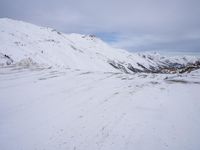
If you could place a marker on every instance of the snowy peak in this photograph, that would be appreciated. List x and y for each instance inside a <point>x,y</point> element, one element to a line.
<point>24,42</point>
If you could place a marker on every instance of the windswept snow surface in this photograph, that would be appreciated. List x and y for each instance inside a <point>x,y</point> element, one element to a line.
<point>58,91</point>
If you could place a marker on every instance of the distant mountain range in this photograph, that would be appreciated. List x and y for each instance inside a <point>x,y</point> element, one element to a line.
<point>26,44</point>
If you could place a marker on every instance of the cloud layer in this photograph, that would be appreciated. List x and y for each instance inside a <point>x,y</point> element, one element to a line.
<point>131,24</point>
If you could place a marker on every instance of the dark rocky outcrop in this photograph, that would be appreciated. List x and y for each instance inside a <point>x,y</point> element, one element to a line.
<point>164,68</point>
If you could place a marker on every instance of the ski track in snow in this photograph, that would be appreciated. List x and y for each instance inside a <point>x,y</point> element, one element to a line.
<point>43,108</point>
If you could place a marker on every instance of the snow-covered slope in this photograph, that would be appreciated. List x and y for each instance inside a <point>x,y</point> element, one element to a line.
<point>26,43</point>
<point>75,110</point>
<point>70,92</point>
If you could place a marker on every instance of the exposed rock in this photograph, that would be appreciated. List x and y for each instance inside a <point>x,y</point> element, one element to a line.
<point>169,68</point>
<point>5,59</point>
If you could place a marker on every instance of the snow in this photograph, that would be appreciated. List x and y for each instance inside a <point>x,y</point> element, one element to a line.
<point>61,99</point>
<point>48,109</point>
<point>20,40</point>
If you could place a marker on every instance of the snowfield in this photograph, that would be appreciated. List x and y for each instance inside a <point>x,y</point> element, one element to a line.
<point>74,92</point>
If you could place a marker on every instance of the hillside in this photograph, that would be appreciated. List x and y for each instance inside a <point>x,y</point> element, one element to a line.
<point>24,43</point>
<point>75,92</point>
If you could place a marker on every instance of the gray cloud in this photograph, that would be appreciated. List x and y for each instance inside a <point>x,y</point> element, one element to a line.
<point>133,24</point>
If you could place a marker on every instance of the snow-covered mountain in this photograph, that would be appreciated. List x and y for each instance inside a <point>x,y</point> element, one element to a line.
<point>75,92</point>
<point>23,43</point>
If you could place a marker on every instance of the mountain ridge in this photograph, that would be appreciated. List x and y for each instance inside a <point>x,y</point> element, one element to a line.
<point>25,42</point>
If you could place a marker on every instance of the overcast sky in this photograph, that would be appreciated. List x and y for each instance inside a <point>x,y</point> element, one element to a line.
<point>172,25</point>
